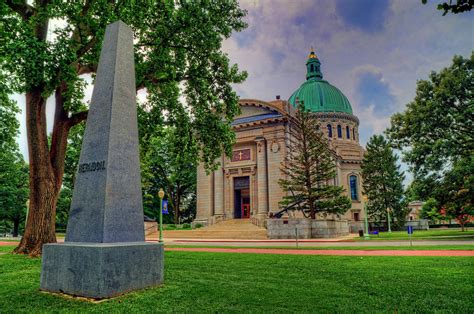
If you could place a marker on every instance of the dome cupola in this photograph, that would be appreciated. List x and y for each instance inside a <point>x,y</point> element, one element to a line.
<point>317,94</point>
<point>313,67</point>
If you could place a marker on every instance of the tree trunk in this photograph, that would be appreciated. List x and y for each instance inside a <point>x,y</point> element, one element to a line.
<point>16,226</point>
<point>176,207</point>
<point>461,222</point>
<point>46,171</point>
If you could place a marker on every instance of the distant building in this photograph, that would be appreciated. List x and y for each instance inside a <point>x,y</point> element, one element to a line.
<point>415,210</point>
<point>246,185</point>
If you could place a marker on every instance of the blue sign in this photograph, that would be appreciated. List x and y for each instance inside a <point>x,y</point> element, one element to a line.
<point>410,230</point>
<point>164,209</point>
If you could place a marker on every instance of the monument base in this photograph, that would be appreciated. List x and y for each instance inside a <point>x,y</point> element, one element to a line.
<point>101,270</point>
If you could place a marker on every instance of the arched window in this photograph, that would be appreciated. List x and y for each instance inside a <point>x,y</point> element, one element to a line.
<point>353,134</point>
<point>348,133</point>
<point>353,186</point>
<point>339,131</point>
<point>329,130</point>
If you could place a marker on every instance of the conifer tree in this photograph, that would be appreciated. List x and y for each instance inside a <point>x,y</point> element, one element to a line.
<point>382,181</point>
<point>309,169</point>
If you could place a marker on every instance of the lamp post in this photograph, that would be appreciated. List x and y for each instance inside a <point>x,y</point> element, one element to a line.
<point>388,219</point>
<point>366,235</point>
<point>27,212</point>
<point>161,194</point>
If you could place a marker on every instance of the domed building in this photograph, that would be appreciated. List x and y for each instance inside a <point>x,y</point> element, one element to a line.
<point>246,184</point>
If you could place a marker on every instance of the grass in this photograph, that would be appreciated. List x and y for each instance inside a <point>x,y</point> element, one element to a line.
<point>423,235</point>
<point>220,282</point>
<point>177,227</point>
<point>464,247</point>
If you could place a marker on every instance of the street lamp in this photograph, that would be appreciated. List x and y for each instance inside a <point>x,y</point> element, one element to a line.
<point>388,219</point>
<point>161,194</point>
<point>366,235</point>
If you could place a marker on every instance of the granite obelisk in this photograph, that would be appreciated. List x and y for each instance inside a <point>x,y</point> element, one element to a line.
<point>105,253</point>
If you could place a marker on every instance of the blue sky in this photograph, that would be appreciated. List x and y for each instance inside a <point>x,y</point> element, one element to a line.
<point>374,51</point>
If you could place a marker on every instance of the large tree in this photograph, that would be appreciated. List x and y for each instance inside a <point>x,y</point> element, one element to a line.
<point>309,169</point>
<point>453,197</point>
<point>383,181</point>
<point>13,170</point>
<point>435,132</point>
<point>170,164</point>
<point>49,47</point>
<point>436,128</point>
<point>13,188</point>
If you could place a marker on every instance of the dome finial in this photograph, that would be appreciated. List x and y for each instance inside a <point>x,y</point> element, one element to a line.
<point>312,55</point>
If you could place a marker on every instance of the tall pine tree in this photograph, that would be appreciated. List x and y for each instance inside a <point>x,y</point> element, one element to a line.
<point>309,169</point>
<point>383,181</point>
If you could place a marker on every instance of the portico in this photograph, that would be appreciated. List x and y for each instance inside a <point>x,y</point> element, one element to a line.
<point>244,185</point>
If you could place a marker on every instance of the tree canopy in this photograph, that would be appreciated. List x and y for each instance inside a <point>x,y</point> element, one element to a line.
<point>13,170</point>
<point>436,138</point>
<point>457,6</point>
<point>436,128</point>
<point>50,48</point>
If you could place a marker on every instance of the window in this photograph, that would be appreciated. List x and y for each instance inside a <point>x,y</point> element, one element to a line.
<point>356,216</point>
<point>339,131</point>
<point>348,133</point>
<point>353,186</point>
<point>329,130</point>
<point>353,134</point>
<point>311,68</point>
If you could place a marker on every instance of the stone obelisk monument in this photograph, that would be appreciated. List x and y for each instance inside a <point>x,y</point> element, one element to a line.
<point>105,253</point>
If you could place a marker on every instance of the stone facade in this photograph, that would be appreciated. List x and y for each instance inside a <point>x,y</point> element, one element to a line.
<point>246,185</point>
<point>261,135</point>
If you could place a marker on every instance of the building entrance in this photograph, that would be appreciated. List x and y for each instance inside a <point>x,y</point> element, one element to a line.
<point>242,197</point>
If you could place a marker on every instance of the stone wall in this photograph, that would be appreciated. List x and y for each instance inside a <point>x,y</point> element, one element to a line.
<point>306,228</point>
<point>150,227</point>
<point>421,224</point>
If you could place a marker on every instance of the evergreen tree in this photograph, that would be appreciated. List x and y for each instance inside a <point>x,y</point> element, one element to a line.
<point>309,169</point>
<point>383,181</point>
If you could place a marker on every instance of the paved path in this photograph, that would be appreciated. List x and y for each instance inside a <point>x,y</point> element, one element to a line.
<point>330,252</point>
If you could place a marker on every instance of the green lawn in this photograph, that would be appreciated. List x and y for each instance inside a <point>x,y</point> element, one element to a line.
<point>434,234</point>
<point>219,282</point>
<point>465,247</point>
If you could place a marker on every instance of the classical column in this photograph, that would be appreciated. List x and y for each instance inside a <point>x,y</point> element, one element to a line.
<point>204,195</point>
<point>228,212</point>
<point>262,186</point>
<point>219,192</point>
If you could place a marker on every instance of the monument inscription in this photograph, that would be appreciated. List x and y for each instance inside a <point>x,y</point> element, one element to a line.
<point>91,166</point>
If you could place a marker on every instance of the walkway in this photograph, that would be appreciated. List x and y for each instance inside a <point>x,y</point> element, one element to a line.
<point>329,252</point>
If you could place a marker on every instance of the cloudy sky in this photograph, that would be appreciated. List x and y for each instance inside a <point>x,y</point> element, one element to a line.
<point>374,51</point>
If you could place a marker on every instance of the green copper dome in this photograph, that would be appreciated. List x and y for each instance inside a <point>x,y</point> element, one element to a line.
<point>318,95</point>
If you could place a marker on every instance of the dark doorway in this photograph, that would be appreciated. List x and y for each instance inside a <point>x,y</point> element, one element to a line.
<point>242,197</point>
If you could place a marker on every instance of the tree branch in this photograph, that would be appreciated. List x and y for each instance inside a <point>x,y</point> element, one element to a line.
<point>24,9</point>
<point>77,118</point>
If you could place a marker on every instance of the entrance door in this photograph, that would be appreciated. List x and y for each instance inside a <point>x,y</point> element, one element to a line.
<point>242,197</point>
<point>245,204</point>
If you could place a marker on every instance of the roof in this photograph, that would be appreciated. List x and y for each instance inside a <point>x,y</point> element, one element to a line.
<point>256,118</point>
<point>317,94</point>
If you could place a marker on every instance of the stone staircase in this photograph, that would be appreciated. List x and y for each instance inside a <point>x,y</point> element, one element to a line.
<point>229,229</point>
